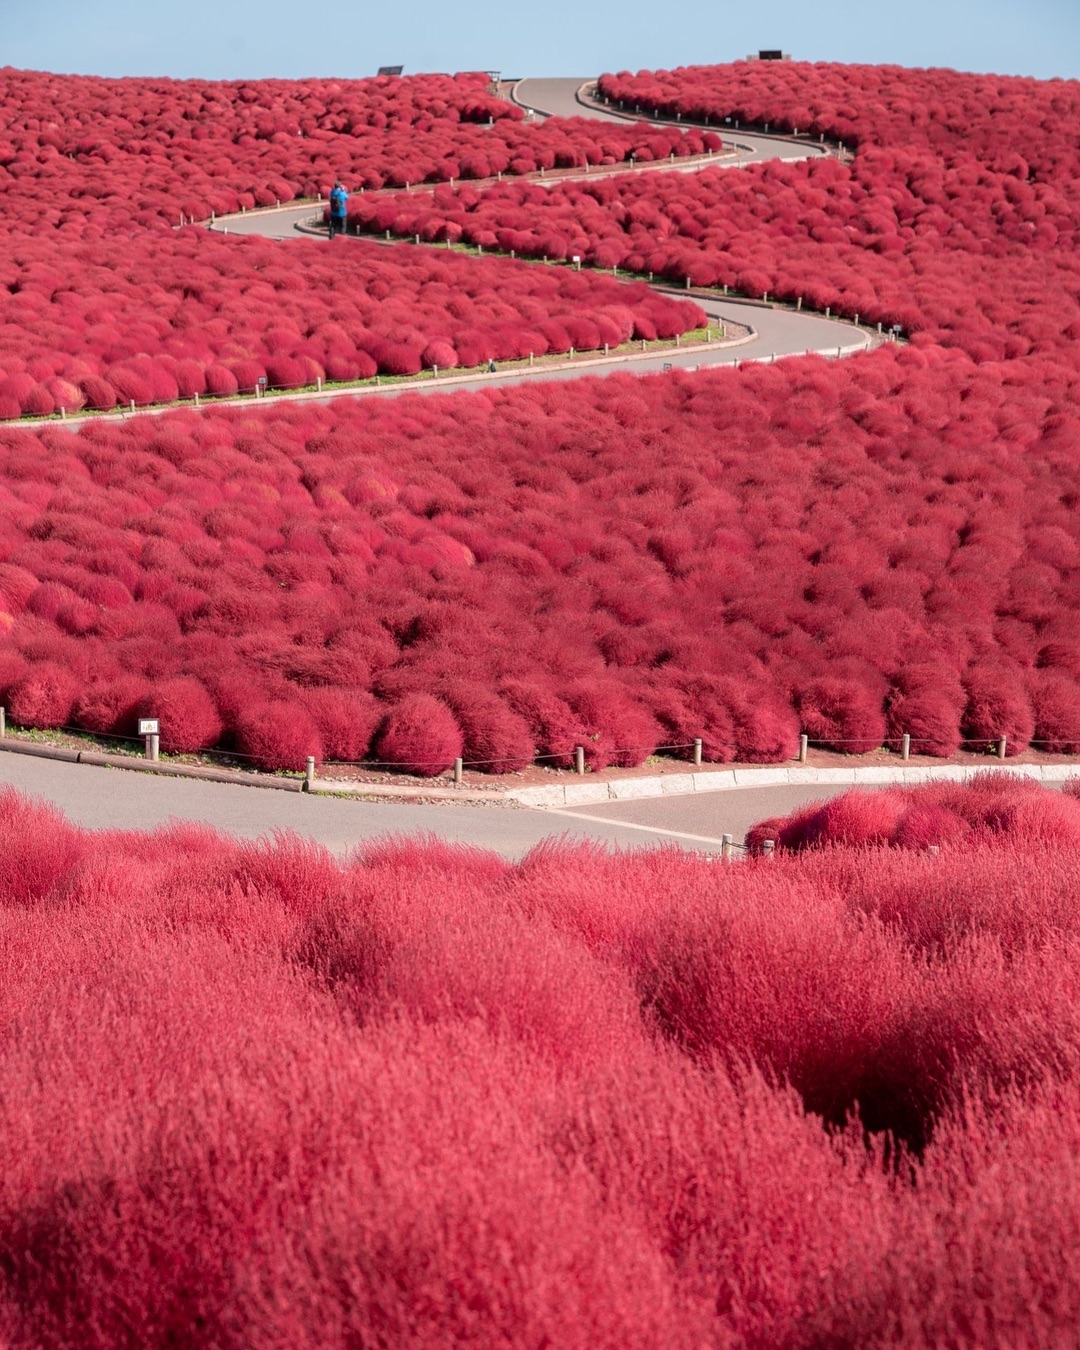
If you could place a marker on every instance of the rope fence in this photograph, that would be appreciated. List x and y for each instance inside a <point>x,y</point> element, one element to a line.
<point>902,745</point>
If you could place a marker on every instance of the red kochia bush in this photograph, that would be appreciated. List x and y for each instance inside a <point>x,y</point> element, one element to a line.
<point>494,738</point>
<point>278,735</point>
<point>346,720</point>
<point>841,714</point>
<point>43,697</point>
<point>186,714</point>
<point>1056,704</point>
<point>998,705</point>
<point>111,706</point>
<point>421,735</point>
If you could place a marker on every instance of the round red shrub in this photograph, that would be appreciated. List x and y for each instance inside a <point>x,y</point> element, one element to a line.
<point>283,372</point>
<point>495,739</point>
<point>43,697</point>
<point>99,393</point>
<point>187,714</point>
<point>38,402</point>
<point>924,824</point>
<point>440,354</point>
<point>346,720</point>
<point>111,706</point>
<point>421,735</point>
<point>13,666</point>
<point>220,382</point>
<point>248,373</point>
<point>278,735</point>
<point>555,729</point>
<point>621,731</point>
<point>65,394</point>
<point>841,714</point>
<point>857,817</point>
<point>927,706</point>
<point>1055,702</point>
<point>997,705</point>
<point>760,833</point>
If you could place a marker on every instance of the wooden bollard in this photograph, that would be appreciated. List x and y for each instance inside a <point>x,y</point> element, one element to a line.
<point>1002,746</point>
<point>727,848</point>
<point>697,752</point>
<point>768,848</point>
<point>3,723</point>
<point>579,759</point>
<point>458,769</point>
<point>905,746</point>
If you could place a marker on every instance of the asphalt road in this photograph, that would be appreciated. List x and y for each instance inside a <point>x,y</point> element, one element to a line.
<point>119,799</point>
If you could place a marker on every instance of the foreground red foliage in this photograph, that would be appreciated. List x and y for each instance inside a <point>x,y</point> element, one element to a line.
<point>860,550</point>
<point>200,314</point>
<point>254,1096</point>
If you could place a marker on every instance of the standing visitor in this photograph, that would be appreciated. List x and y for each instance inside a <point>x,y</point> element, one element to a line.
<point>339,199</point>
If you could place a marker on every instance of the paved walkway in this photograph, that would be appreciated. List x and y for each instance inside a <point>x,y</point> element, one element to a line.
<point>116,799</point>
<point>569,98</point>
<point>776,332</point>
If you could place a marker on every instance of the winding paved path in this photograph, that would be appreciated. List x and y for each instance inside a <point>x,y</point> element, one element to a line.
<point>563,98</point>
<point>111,798</point>
<point>777,332</point>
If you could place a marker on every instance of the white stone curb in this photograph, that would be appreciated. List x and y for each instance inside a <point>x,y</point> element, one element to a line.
<point>727,780</point>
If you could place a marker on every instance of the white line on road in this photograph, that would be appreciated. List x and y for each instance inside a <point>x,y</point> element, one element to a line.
<point>627,825</point>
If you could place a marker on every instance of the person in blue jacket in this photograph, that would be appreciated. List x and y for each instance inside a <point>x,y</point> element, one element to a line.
<point>339,200</point>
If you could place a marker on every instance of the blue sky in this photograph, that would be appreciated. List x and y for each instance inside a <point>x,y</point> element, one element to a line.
<point>224,39</point>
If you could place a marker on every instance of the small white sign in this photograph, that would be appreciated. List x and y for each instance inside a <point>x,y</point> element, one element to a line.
<point>148,726</point>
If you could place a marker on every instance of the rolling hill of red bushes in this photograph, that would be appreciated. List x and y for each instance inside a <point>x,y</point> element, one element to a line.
<point>81,152</point>
<point>201,314</point>
<point>101,302</point>
<point>859,550</point>
<point>258,1097</point>
<point>958,255</point>
<point>958,219</point>
<point>1007,122</point>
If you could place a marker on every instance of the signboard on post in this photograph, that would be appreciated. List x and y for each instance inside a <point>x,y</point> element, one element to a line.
<point>148,726</point>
